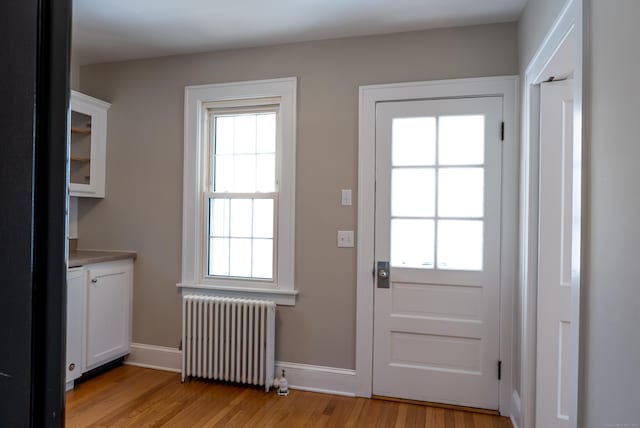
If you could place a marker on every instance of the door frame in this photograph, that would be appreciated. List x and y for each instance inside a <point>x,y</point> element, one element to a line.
<point>503,86</point>
<point>33,191</point>
<point>547,59</point>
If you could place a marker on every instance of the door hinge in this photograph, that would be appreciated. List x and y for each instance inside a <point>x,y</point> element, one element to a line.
<point>499,370</point>
<point>502,132</point>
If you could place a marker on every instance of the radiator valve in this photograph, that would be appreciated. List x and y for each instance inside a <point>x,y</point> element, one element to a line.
<point>283,385</point>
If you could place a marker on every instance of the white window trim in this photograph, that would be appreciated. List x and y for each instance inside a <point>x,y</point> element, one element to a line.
<point>196,98</point>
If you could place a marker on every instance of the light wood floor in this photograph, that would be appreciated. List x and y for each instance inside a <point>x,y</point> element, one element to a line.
<point>135,397</point>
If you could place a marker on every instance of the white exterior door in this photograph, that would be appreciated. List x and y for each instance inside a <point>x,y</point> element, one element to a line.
<point>438,193</point>
<point>554,258</point>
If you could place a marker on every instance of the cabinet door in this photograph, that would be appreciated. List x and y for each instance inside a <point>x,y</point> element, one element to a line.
<point>88,139</point>
<point>75,307</point>
<point>108,312</point>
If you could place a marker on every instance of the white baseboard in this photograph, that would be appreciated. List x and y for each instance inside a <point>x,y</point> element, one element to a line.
<point>155,357</point>
<point>328,380</point>
<point>516,412</point>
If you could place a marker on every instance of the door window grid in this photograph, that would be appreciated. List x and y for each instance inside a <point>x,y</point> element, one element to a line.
<point>436,222</point>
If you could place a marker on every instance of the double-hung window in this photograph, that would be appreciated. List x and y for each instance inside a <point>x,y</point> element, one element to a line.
<point>238,224</point>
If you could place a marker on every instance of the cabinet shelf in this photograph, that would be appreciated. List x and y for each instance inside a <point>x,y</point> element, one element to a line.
<point>83,131</point>
<point>80,159</point>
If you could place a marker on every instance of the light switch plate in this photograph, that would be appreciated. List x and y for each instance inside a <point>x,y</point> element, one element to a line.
<point>346,197</point>
<point>345,239</point>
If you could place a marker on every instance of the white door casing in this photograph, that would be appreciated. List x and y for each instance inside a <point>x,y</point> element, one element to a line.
<point>560,55</point>
<point>436,329</point>
<point>554,255</point>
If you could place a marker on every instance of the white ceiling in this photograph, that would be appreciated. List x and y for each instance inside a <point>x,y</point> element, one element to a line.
<point>114,30</point>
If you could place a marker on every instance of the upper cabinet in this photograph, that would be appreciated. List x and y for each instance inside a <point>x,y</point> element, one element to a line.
<point>88,142</point>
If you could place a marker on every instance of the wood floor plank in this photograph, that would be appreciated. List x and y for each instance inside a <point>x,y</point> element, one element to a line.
<point>136,397</point>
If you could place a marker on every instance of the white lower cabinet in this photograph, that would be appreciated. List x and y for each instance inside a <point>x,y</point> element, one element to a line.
<point>75,325</point>
<point>108,312</point>
<point>98,315</point>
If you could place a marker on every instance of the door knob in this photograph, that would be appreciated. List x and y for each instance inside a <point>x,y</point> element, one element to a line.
<point>383,274</point>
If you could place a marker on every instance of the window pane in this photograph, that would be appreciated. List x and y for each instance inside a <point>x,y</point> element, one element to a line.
<point>412,243</point>
<point>244,174</point>
<point>263,258</point>
<point>413,192</point>
<point>245,153</point>
<point>219,217</point>
<point>219,256</point>
<point>224,135</point>
<point>266,133</point>
<point>245,134</point>
<point>240,257</point>
<point>460,192</point>
<point>263,218</point>
<point>461,140</point>
<point>414,141</point>
<point>460,244</point>
<point>241,218</point>
<point>223,179</point>
<point>266,173</point>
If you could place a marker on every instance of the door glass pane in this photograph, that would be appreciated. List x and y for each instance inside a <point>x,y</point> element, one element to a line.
<point>461,140</point>
<point>412,243</point>
<point>414,141</point>
<point>413,192</point>
<point>460,192</point>
<point>460,244</point>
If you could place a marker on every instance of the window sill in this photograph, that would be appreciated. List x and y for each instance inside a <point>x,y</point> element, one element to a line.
<point>281,297</point>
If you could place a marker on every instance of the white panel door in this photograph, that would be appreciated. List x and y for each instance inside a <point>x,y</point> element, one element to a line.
<point>436,326</point>
<point>108,312</point>
<point>554,258</point>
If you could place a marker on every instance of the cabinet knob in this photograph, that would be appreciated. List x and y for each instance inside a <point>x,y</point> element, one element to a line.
<point>94,280</point>
<point>72,366</point>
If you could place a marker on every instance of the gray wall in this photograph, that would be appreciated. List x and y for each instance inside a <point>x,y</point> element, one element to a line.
<point>535,22</point>
<point>611,388</point>
<point>143,205</point>
<point>74,75</point>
